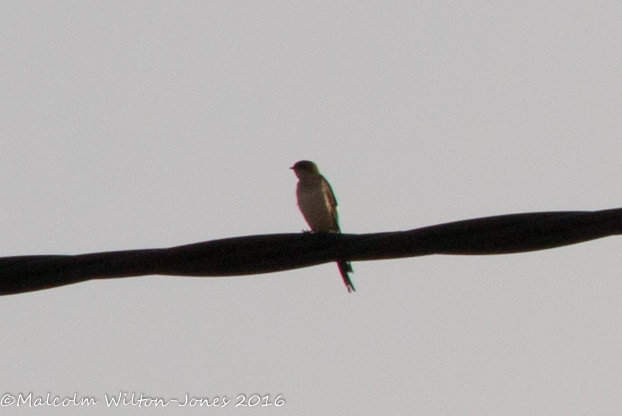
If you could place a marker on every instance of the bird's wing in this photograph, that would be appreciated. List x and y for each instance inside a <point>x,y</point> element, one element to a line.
<point>332,201</point>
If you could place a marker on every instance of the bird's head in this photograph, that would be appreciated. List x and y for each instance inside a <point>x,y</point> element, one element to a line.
<point>305,168</point>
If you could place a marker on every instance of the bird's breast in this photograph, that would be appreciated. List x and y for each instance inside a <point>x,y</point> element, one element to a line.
<point>316,208</point>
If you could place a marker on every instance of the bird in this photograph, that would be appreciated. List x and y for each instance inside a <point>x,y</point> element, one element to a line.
<point>318,205</point>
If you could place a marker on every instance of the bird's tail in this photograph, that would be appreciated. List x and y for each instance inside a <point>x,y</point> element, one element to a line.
<point>344,268</point>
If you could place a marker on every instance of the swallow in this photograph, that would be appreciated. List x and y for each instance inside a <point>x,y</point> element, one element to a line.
<point>318,205</point>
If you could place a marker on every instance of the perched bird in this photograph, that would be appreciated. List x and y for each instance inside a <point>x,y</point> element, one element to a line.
<point>318,205</point>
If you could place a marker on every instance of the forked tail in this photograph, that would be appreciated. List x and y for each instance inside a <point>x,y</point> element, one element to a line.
<point>345,268</point>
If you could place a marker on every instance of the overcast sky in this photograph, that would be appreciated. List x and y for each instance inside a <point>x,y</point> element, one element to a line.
<point>145,124</point>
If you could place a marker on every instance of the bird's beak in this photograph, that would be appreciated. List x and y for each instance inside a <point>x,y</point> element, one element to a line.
<point>292,167</point>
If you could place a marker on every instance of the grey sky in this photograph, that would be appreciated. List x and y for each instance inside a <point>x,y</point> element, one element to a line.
<point>152,124</point>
